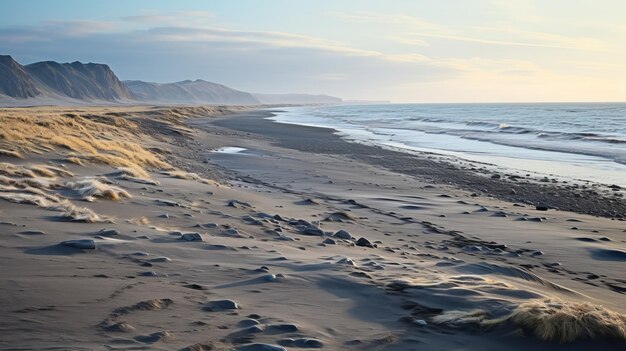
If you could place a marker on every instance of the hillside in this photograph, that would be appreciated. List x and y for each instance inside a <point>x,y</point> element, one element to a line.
<point>76,80</point>
<point>15,82</point>
<point>189,92</point>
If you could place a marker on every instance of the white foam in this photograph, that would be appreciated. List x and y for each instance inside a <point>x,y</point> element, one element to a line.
<point>229,150</point>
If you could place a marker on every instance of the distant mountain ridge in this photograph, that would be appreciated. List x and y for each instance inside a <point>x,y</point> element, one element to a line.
<point>53,83</point>
<point>91,81</point>
<point>62,81</point>
<point>297,99</point>
<point>188,91</point>
<point>15,81</point>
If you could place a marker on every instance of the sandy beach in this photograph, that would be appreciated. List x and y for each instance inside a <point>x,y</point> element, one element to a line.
<point>212,228</point>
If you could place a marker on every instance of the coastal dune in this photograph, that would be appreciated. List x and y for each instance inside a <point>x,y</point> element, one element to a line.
<point>187,229</point>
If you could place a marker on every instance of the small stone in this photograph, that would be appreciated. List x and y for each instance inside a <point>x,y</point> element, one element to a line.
<point>191,237</point>
<point>155,337</point>
<point>108,232</point>
<point>84,244</point>
<point>313,230</point>
<point>283,328</point>
<point>342,234</point>
<point>33,232</point>
<point>260,347</point>
<point>248,323</point>
<point>221,305</point>
<point>364,243</point>
<point>541,208</point>
<point>304,343</point>
<point>121,327</point>
<point>149,274</point>
<point>329,241</point>
<point>420,322</point>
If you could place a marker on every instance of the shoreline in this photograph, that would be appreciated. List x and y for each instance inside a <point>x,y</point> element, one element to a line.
<point>599,200</point>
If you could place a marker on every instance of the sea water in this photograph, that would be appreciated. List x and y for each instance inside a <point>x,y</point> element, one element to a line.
<point>572,140</point>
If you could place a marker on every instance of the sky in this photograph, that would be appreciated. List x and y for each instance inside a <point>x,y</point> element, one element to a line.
<point>397,50</point>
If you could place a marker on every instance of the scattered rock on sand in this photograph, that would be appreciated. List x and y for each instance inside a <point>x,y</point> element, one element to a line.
<point>195,286</point>
<point>121,327</point>
<point>32,232</point>
<point>208,225</point>
<point>308,202</point>
<point>260,347</point>
<point>282,328</point>
<point>237,204</point>
<point>329,241</point>
<point>248,322</point>
<point>155,337</point>
<point>364,243</point>
<point>347,261</point>
<point>339,217</point>
<point>304,343</point>
<point>84,244</point>
<point>148,305</point>
<point>541,208</point>
<point>191,237</point>
<point>342,234</point>
<point>205,346</point>
<point>108,232</point>
<point>149,274</point>
<point>221,305</point>
<point>313,230</point>
<point>272,277</point>
<point>168,203</point>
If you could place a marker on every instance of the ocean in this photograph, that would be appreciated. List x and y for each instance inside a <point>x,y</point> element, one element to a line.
<point>584,141</point>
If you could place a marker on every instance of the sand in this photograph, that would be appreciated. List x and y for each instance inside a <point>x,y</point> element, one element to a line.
<point>255,242</point>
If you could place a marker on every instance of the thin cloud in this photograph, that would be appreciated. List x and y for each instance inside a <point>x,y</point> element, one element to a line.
<point>482,35</point>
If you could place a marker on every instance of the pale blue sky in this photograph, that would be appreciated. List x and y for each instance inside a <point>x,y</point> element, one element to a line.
<point>405,51</point>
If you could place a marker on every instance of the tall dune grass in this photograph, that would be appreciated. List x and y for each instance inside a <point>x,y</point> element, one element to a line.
<point>554,320</point>
<point>550,320</point>
<point>109,140</point>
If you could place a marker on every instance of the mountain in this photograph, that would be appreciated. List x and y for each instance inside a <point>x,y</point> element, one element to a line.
<point>15,81</point>
<point>59,83</point>
<point>296,99</point>
<point>53,83</point>
<point>189,92</point>
<point>91,81</point>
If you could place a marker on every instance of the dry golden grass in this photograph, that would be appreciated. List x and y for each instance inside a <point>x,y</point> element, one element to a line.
<point>10,153</point>
<point>549,320</point>
<point>89,189</point>
<point>32,171</point>
<point>139,220</point>
<point>554,320</point>
<point>105,139</point>
<point>11,170</point>
<point>190,176</point>
<point>75,160</point>
<point>38,197</point>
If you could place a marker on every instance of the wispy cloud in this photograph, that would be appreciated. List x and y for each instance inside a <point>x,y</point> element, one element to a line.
<point>487,35</point>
